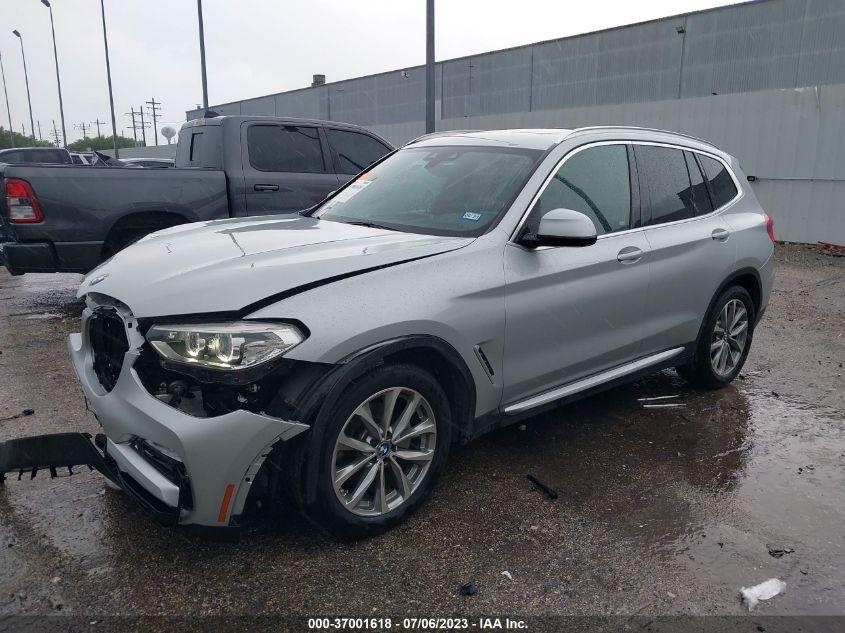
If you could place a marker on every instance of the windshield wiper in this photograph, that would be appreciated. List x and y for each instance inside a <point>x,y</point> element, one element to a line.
<point>370,225</point>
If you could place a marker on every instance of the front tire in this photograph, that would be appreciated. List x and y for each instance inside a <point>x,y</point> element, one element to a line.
<point>724,342</point>
<point>386,444</point>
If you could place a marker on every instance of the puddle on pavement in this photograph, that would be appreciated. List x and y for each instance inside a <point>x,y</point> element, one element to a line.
<point>705,489</point>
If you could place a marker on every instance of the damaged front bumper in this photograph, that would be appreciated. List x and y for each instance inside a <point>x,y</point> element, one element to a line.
<point>181,468</point>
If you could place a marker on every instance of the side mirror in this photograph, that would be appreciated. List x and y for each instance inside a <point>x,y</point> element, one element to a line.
<point>563,227</point>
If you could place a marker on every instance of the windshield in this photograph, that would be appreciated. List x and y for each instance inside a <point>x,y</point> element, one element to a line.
<point>459,191</point>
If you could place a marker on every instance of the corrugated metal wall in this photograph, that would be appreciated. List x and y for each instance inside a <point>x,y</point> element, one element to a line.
<point>710,73</point>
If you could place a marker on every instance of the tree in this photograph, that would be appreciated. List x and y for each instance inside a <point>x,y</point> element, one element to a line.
<point>19,140</point>
<point>99,143</point>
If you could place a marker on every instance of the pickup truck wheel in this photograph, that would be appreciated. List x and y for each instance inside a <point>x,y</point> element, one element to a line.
<point>724,341</point>
<point>124,236</point>
<point>388,440</point>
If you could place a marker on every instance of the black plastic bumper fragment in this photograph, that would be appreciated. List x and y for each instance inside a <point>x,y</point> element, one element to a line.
<point>50,452</point>
<point>28,455</point>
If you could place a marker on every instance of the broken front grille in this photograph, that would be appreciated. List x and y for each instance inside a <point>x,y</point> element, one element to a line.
<point>109,345</point>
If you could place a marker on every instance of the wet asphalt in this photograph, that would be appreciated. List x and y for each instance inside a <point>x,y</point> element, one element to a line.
<point>660,511</point>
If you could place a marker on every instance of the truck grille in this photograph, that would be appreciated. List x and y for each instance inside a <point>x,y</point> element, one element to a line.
<point>109,345</point>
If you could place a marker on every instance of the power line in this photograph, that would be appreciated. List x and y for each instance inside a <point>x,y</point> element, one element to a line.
<point>83,127</point>
<point>155,113</point>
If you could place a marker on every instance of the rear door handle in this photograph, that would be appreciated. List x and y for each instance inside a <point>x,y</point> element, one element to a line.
<point>266,187</point>
<point>629,255</point>
<point>720,235</point>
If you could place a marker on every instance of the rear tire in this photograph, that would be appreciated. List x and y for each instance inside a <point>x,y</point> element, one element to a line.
<point>724,341</point>
<point>376,469</point>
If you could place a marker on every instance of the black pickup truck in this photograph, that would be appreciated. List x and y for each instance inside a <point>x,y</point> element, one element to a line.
<point>69,218</point>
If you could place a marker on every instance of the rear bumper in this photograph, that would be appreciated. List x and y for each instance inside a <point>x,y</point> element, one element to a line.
<point>47,257</point>
<point>219,457</point>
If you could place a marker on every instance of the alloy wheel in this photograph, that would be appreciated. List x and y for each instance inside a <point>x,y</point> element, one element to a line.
<point>730,336</point>
<point>384,451</point>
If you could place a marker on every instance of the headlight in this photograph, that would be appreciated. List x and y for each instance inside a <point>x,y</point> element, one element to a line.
<point>238,345</point>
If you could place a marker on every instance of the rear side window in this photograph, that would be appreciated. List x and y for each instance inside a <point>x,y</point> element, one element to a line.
<point>722,187</point>
<point>669,195</point>
<point>700,197</point>
<point>196,147</point>
<point>285,148</point>
<point>596,182</point>
<point>355,151</point>
<point>12,157</point>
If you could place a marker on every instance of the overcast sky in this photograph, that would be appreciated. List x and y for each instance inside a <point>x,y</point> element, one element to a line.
<point>258,47</point>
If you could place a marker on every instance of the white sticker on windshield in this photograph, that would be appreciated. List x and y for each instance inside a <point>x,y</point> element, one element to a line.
<point>351,190</point>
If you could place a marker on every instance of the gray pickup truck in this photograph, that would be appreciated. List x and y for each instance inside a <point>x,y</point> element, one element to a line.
<point>69,218</point>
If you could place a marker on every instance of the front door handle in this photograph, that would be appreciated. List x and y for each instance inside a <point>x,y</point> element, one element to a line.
<point>629,255</point>
<point>720,235</point>
<point>266,187</point>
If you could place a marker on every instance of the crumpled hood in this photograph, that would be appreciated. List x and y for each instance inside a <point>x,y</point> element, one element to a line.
<point>227,265</point>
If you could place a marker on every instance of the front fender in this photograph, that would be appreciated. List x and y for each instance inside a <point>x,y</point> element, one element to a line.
<point>318,401</point>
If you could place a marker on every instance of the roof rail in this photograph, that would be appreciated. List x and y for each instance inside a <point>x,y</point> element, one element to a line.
<point>436,134</point>
<point>646,129</point>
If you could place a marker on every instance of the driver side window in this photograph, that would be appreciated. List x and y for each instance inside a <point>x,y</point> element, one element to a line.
<point>594,181</point>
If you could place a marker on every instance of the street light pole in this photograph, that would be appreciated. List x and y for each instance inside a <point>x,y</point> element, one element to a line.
<point>26,80</point>
<point>108,75</point>
<point>429,67</point>
<point>8,110</point>
<point>46,3</point>
<point>202,57</point>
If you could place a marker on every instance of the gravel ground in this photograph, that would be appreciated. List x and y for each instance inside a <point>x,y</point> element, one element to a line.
<point>660,512</point>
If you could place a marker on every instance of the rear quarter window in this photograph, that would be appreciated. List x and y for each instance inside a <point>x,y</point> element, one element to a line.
<point>722,187</point>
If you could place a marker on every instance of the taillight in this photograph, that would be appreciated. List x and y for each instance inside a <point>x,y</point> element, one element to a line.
<point>21,202</point>
<point>770,226</point>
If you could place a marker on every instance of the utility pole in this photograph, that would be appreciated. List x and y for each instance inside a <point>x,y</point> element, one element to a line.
<point>55,134</point>
<point>134,127</point>
<point>17,34</point>
<point>8,111</point>
<point>155,108</point>
<point>40,138</point>
<point>429,67</point>
<point>98,123</point>
<point>46,3</point>
<point>83,127</point>
<point>202,57</point>
<point>108,74</point>
<point>143,127</point>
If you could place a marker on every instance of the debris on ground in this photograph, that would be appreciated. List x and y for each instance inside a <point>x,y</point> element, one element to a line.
<point>468,589</point>
<point>765,590</point>
<point>778,553</point>
<point>22,414</point>
<point>507,575</point>
<point>659,402</point>
<point>656,398</point>
<point>551,493</point>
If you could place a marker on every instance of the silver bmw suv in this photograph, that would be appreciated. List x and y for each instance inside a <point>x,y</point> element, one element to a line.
<point>463,282</point>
